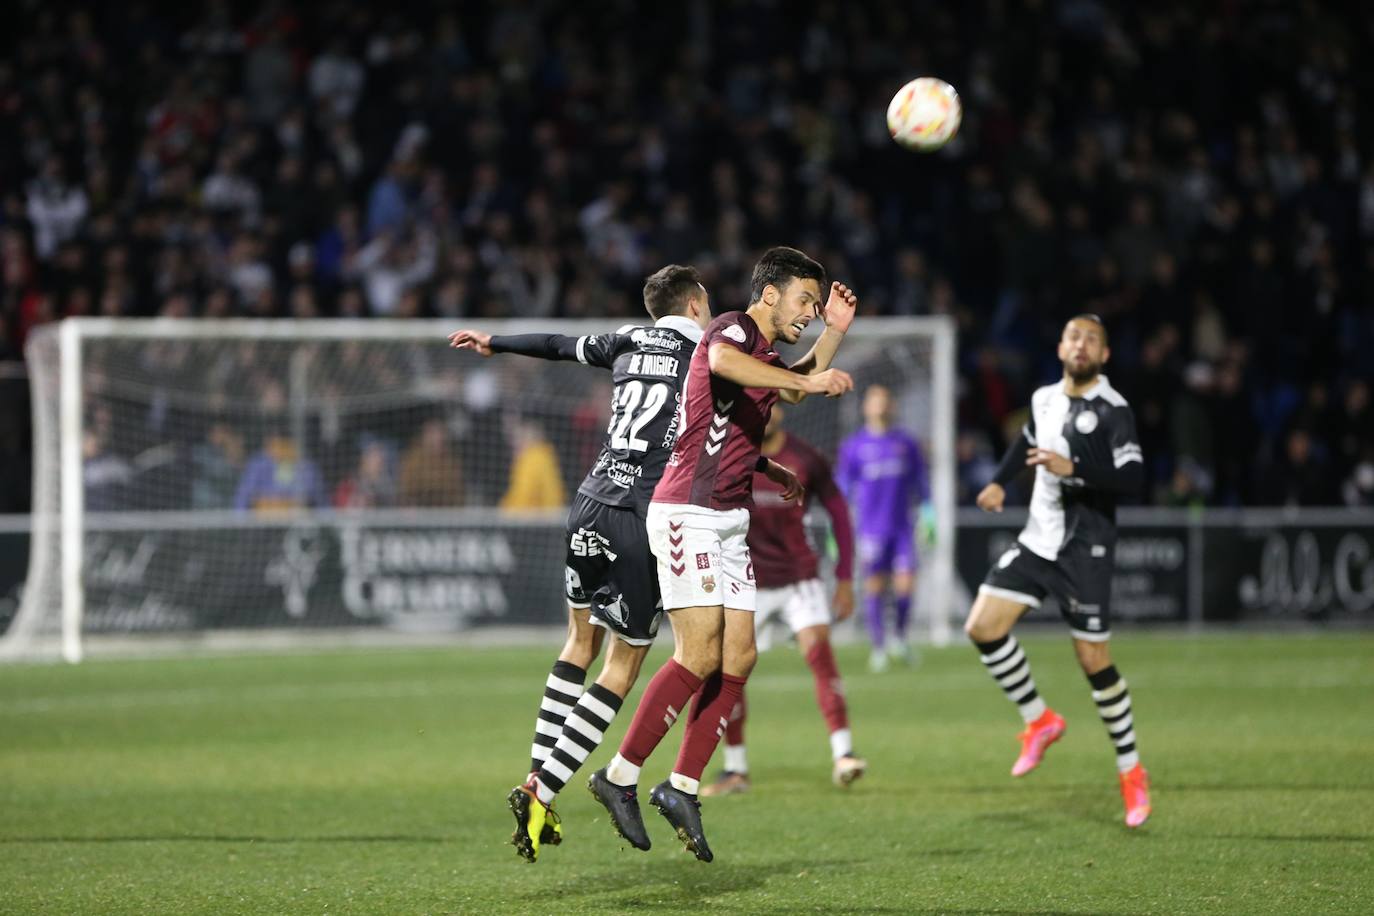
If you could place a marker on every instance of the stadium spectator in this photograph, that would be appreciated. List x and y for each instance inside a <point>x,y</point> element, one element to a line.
<point>535,480</point>
<point>217,467</point>
<point>1301,477</point>
<point>1354,428</point>
<point>390,266</point>
<point>430,472</point>
<point>1358,488</point>
<point>373,484</point>
<point>490,161</point>
<point>977,465</point>
<point>278,478</point>
<point>107,476</point>
<point>56,209</point>
<point>337,79</point>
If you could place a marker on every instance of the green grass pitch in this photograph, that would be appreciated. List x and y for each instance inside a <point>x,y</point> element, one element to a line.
<point>375,782</point>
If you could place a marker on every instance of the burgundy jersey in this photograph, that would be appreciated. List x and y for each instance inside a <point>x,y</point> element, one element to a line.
<point>778,544</point>
<point>720,423</point>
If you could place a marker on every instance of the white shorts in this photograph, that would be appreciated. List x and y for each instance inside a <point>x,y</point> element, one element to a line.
<point>702,556</point>
<point>796,606</point>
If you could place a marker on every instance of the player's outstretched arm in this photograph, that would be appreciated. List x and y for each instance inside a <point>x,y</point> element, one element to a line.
<point>743,369</point>
<point>475,341</point>
<point>838,315</point>
<point>542,346</point>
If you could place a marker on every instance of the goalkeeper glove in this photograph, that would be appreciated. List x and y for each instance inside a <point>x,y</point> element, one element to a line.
<point>925,524</point>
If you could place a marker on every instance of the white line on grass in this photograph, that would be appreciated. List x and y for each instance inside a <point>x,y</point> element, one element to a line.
<point>454,686</point>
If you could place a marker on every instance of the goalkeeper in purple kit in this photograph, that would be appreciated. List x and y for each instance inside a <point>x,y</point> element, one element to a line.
<point>883,475</point>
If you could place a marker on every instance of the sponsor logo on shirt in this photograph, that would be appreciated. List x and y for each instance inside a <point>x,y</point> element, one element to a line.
<point>652,338</point>
<point>621,473</point>
<point>1085,422</point>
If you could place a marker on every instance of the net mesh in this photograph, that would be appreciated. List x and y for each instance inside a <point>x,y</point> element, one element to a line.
<point>337,475</point>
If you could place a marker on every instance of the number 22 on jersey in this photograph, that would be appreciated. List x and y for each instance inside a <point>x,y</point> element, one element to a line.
<point>631,416</point>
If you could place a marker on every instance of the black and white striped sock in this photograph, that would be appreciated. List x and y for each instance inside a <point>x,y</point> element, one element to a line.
<point>1114,706</point>
<point>583,733</point>
<point>561,691</point>
<point>1007,663</point>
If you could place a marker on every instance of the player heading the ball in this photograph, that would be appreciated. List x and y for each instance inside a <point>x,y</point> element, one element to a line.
<point>611,583</point>
<point>699,522</point>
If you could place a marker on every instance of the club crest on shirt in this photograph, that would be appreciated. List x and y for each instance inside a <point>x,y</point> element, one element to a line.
<point>734,332</point>
<point>1085,422</point>
<point>703,561</point>
<point>708,584</point>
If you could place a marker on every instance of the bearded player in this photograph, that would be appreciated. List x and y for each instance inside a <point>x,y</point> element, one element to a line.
<point>1081,443</point>
<point>699,522</point>
<point>791,593</point>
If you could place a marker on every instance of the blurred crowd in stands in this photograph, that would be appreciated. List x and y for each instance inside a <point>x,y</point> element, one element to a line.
<point>1200,175</point>
<point>268,425</point>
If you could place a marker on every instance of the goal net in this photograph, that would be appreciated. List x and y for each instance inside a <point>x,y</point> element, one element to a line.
<point>218,481</point>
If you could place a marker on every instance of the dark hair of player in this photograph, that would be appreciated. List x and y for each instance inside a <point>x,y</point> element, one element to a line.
<point>779,267</point>
<point>1095,319</point>
<point>666,291</point>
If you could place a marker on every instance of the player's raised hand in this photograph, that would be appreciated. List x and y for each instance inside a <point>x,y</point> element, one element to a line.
<point>832,383</point>
<point>783,477</point>
<point>471,340</point>
<point>843,602</point>
<point>991,498</point>
<point>838,313</point>
<point>1053,462</point>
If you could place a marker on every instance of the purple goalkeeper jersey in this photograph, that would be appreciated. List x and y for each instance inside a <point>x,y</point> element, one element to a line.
<point>882,475</point>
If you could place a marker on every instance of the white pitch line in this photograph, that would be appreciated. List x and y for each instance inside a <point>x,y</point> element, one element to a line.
<point>514,685</point>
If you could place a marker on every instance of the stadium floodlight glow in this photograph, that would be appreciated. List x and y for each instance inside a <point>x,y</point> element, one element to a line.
<point>147,530</point>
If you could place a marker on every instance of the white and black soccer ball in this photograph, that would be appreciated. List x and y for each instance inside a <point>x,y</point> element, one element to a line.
<point>924,115</point>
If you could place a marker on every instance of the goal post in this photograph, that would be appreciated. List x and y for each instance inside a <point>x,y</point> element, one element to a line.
<point>281,480</point>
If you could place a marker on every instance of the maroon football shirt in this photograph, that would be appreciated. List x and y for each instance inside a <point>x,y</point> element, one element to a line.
<point>778,544</point>
<point>720,423</point>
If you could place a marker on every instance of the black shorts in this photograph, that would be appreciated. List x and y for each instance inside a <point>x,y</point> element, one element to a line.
<point>1081,579</point>
<point>611,571</point>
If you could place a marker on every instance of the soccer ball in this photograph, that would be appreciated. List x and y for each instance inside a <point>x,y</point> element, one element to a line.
<point>924,114</point>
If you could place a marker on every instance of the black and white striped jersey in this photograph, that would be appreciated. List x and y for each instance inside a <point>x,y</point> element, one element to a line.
<point>648,367</point>
<point>1097,432</point>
